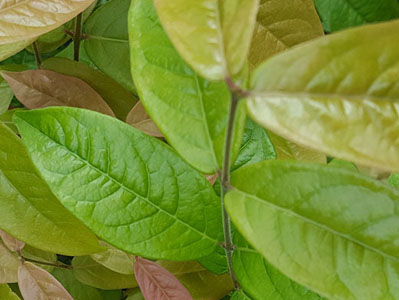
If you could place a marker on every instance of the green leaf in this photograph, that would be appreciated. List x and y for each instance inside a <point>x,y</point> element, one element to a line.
<point>342,164</point>
<point>87,271</point>
<point>260,280</point>
<point>68,52</point>
<point>8,50</point>
<point>29,211</point>
<point>107,45</point>
<point>117,97</point>
<point>256,146</point>
<point>212,36</point>
<point>394,180</point>
<point>135,295</point>
<point>329,229</point>
<point>39,255</point>
<point>348,82</point>
<point>282,24</point>
<point>6,119</point>
<point>78,290</point>
<point>196,122</point>
<point>216,262</point>
<point>9,264</point>
<point>6,293</point>
<point>6,93</point>
<point>342,14</point>
<point>132,190</point>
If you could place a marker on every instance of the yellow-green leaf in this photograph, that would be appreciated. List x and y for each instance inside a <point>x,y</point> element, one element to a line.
<point>212,36</point>
<point>336,94</point>
<point>9,264</point>
<point>10,49</point>
<point>25,19</point>
<point>6,293</point>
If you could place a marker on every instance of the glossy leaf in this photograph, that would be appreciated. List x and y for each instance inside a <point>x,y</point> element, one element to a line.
<point>78,290</point>
<point>132,190</point>
<point>9,264</point>
<point>42,88</point>
<point>21,20</point>
<point>107,45</point>
<point>287,150</point>
<point>156,282</point>
<point>117,97</point>
<point>342,14</point>
<point>139,119</point>
<point>195,278</point>
<point>212,36</point>
<point>282,24</point>
<point>6,293</point>
<point>91,273</point>
<point>8,50</point>
<point>36,283</point>
<point>256,146</point>
<point>348,82</point>
<point>197,109</point>
<point>10,242</point>
<point>115,260</point>
<point>330,229</point>
<point>260,280</point>
<point>29,211</point>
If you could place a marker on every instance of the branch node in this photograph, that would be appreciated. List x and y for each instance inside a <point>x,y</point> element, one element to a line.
<point>236,89</point>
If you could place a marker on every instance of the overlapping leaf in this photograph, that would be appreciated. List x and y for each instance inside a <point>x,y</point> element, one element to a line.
<point>24,19</point>
<point>336,94</point>
<point>192,112</point>
<point>9,264</point>
<point>212,36</point>
<point>282,24</point>
<point>330,229</point>
<point>8,50</point>
<point>42,88</point>
<point>29,211</point>
<point>118,98</point>
<point>131,189</point>
<point>115,260</point>
<point>107,45</point>
<point>6,293</point>
<point>139,119</point>
<point>10,242</point>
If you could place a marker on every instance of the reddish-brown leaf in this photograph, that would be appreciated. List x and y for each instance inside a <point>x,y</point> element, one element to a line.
<point>212,178</point>
<point>139,119</point>
<point>42,88</point>
<point>11,243</point>
<point>157,283</point>
<point>37,284</point>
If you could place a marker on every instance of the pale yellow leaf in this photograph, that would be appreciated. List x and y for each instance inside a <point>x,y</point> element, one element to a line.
<point>9,264</point>
<point>10,242</point>
<point>8,50</point>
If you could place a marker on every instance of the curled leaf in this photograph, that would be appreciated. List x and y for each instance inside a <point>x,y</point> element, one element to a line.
<point>156,282</point>
<point>37,284</point>
<point>42,88</point>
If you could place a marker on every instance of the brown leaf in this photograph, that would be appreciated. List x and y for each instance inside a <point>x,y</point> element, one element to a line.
<point>157,283</point>
<point>42,88</point>
<point>212,178</point>
<point>139,119</point>
<point>11,243</point>
<point>37,284</point>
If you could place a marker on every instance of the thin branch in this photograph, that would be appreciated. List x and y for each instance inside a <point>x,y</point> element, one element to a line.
<point>56,265</point>
<point>225,184</point>
<point>77,37</point>
<point>37,55</point>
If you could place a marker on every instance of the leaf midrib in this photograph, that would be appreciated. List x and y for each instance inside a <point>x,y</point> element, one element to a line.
<point>319,225</point>
<point>120,184</point>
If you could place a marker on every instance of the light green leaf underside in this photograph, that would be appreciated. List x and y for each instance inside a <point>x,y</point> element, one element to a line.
<point>107,45</point>
<point>260,280</point>
<point>282,24</point>
<point>117,97</point>
<point>21,20</point>
<point>29,211</point>
<point>212,36</point>
<point>132,190</point>
<point>342,14</point>
<point>336,94</point>
<point>6,293</point>
<point>192,112</point>
<point>91,273</point>
<point>330,229</point>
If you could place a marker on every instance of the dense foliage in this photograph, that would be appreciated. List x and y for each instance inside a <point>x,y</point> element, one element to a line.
<point>207,149</point>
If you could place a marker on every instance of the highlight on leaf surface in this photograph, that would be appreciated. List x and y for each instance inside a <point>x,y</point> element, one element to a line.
<point>335,94</point>
<point>332,230</point>
<point>213,37</point>
<point>156,282</point>
<point>130,189</point>
<point>21,20</point>
<point>24,193</point>
<point>42,88</point>
<point>197,109</point>
<point>36,283</point>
